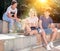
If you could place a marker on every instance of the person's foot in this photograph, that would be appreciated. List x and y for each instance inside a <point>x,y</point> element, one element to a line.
<point>51,45</point>
<point>43,44</point>
<point>10,31</point>
<point>48,48</point>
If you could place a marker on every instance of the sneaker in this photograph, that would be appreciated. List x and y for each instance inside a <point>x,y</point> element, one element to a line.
<point>51,45</point>
<point>10,31</point>
<point>48,48</point>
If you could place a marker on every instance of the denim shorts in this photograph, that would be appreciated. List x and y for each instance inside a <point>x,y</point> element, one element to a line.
<point>47,31</point>
<point>33,28</point>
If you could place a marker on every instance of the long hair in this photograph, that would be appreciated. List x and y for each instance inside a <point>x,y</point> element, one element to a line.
<point>35,13</point>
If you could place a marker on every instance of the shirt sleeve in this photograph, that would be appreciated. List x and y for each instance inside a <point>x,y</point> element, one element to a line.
<point>51,21</point>
<point>16,11</point>
<point>41,18</point>
<point>8,10</point>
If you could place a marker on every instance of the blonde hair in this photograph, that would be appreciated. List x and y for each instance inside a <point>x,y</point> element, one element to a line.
<point>32,9</point>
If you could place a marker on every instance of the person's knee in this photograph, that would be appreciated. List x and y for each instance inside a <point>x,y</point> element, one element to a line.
<point>43,34</point>
<point>28,29</point>
<point>55,30</point>
<point>35,32</point>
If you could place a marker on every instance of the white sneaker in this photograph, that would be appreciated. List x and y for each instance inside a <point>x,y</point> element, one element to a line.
<point>51,45</point>
<point>10,31</point>
<point>48,47</point>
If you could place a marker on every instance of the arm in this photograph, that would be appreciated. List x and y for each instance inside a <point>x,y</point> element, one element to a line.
<point>51,23</point>
<point>40,24</point>
<point>27,25</point>
<point>15,16</point>
<point>52,26</point>
<point>17,19</point>
<point>9,15</point>
<point>36,23</point>
<point>9,12</point>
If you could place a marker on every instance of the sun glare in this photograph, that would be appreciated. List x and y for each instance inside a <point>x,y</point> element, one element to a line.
<point>43,1</point>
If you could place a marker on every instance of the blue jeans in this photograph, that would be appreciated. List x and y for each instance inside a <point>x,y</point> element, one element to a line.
<point>11,21</point>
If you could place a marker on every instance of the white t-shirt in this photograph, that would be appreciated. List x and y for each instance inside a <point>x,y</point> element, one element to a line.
<point>10,10</point>
<point>32,21</point>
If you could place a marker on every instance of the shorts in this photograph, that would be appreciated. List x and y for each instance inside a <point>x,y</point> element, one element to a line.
<point>47,31</point>
<point>33,28</point>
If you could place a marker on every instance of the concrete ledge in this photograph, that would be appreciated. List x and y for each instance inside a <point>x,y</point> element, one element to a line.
<point>16,42</point>
<point>3,27</point>
<point>19,42</point>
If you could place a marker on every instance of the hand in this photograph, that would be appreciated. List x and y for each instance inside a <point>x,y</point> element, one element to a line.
<point>18,20</point>
<point>42,29</point>
<point>52,26</point>
<point>13,18</point>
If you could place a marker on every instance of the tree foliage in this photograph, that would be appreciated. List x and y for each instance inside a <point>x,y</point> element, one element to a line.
<point>53,4</point>
<point>25,5</point>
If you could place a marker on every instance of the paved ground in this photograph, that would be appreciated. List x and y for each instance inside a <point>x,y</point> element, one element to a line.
<point>57,47</point>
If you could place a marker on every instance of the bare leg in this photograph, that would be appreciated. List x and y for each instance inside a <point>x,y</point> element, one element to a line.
<point>27,29</point>
<point>38,39</point>
<point>35,32</point>
<point>45,40</point>
<point>53,36</point>
<point>44,37</point>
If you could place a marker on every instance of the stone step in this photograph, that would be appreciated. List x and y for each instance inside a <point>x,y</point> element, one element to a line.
<point>3,27</point>
<point>12,42</point>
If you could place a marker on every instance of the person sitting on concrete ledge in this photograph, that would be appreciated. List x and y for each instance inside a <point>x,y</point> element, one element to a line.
<point>32,22</point>
<point>31,27</point>
<point>47,27</point>
<point>11,16</point>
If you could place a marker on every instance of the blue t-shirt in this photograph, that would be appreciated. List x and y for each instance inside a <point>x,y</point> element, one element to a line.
<point>46,22</point>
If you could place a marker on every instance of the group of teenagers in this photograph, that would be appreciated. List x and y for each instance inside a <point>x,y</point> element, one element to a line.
<point>34,25</point>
